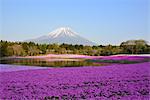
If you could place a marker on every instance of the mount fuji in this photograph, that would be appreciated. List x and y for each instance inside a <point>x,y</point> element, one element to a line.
<point>62,35</point>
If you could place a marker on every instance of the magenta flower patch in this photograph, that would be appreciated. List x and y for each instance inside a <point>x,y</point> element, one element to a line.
<point>122,81</point>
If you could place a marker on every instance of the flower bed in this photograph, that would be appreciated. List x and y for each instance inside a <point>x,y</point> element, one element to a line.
<point>119,81</point>
<point>122,59</point>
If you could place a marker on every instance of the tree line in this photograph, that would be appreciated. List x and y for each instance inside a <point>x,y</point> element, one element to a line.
<point>8,48</point>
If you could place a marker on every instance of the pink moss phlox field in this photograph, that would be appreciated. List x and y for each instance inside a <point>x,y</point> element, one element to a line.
<point>122,81</point>
<point>61,56</point>
<point>9,68</point>
<point>129,58</point>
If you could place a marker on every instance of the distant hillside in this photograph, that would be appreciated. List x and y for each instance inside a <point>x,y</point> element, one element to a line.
<point>32,49</point>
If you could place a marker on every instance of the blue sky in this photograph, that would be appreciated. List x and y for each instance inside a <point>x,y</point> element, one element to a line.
<point>102,21</point>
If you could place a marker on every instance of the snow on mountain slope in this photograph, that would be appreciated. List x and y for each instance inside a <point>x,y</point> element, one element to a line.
<point>62,31</point>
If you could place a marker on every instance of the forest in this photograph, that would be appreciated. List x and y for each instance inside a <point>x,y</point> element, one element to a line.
<point>8,48</point>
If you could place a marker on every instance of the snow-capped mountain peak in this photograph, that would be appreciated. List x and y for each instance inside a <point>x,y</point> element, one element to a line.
<point>62,31</point>
<point>62,35</point>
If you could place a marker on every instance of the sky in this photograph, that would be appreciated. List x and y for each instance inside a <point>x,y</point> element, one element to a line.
<point>101,21</point>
